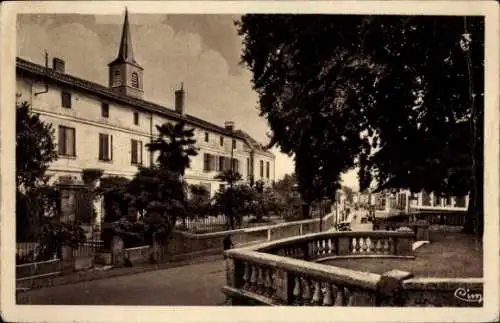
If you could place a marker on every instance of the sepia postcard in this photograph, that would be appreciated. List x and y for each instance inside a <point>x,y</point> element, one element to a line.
<point>202,161</point>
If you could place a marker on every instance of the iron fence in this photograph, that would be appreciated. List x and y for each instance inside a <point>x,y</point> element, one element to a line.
<point>32,251</point>
<point>88,248</point>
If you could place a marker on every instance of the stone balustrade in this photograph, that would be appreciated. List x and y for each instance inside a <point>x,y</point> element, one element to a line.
<point>420,227</point>
<point>353,244</point>
<point>288,272</point>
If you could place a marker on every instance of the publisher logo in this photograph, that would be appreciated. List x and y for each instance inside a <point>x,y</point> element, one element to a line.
<point>466,295</point>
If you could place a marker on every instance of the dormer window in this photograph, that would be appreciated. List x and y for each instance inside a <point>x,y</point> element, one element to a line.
<point>135,80</point>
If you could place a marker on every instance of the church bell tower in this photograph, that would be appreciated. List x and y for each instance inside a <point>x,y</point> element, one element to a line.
<point>125,74</point>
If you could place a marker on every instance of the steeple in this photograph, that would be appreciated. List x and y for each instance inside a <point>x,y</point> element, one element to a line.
<point>126,51</point>
<point>125,74</point>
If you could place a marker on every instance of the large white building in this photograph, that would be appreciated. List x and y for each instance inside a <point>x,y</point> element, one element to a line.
<point>107,127</point>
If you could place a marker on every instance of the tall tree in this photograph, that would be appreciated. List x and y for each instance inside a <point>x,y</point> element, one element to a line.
<point>35,150</point>
<point>430,139</point>
<point>175,145</point>
<point>224,198</point>
<point>306,70</point>
<point>159,191</point>
<point>396,96</point>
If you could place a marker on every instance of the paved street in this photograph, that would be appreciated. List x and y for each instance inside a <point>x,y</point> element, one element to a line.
<point>198,284</point>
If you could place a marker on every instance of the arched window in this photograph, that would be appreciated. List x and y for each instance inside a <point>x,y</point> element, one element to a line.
<point>135,80</point>
<point>116,77</point>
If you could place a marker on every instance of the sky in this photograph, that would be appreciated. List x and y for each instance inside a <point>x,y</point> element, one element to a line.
<point>202,51</point>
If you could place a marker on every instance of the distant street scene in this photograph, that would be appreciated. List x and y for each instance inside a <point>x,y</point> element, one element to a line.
<point>249,160</point>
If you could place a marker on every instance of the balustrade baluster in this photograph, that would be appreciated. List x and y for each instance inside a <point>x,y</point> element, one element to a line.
<point>330,246</point>
<point>378,247</point>
<point>319,251</point>
<point>317,293</point>
<point>268,283</point>
<point>339,297</point>
<point>306,292</point>
<point>246,275</point>
<point>276,284</point>
<point>386,246</point>
<point>297,291</point>
<point>327,298</point>
<point>348,297</point>
<point>260,280</point>
<point>323,243</point>
<point>363,245</point>
<point>354,245</point>
<point>253,278</point>
<point>369,245</point>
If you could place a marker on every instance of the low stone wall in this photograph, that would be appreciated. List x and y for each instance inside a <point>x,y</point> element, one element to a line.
<point>184,244</point>
<point>137,255</point>
<point>421,227</point>
<point>38,269</point>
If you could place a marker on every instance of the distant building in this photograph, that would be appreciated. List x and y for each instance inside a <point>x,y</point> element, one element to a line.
<point>108,127</point>
<point>405,201</point>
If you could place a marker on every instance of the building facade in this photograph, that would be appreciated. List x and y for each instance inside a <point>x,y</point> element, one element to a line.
<point>406,202</point>
<point>108,127</point>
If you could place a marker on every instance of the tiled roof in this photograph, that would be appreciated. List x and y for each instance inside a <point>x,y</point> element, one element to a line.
<point>254,144</point>
<point>100,90</point>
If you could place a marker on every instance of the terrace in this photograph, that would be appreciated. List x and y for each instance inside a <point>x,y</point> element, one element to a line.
<point>351,268</point>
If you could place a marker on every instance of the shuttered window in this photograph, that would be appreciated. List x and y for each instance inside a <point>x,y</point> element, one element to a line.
<point>136,152</point>
<point>66,142</point>
<point>135,80</point>
<point>66,100</point>
<point>105,147</point>
<point>248,167</point>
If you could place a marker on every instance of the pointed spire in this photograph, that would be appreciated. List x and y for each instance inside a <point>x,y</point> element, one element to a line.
<point>126,52</point>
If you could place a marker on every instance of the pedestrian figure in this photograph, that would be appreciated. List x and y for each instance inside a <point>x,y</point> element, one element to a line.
<point>227,244</point>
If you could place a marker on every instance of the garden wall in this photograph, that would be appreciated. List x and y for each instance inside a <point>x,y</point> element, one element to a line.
<point>185,245</point>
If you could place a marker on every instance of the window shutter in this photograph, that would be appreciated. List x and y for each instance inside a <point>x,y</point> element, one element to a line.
<point>62,141</point>
<point>101,150</point>
<point>212,162</point>
<point>133,151</point>
<point>72,141</point>
<point>205,162</point>
<point>140,152</point>
<point>105,147</point>
<point>110,147</point>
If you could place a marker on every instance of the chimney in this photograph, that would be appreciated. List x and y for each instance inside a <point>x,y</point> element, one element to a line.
<point>229,125</point>
<point>179,100</point>
<point>58,65</point>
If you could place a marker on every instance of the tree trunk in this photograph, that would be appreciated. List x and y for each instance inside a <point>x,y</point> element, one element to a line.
<point>306,210</point>
<point>474,222</point>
